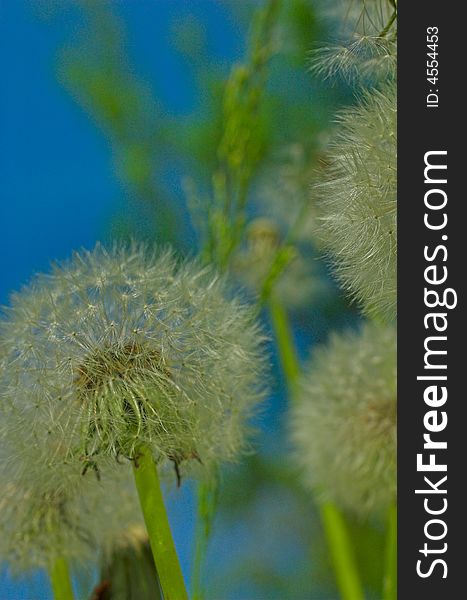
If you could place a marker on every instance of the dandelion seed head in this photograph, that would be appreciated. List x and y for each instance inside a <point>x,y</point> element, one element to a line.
<point>344,423</point>
<point>365,44</point>
<point>357,196</point>
<point>123,347</point>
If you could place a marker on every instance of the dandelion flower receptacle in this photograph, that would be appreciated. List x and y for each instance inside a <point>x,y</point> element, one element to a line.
<point>344,423</point>
<point>123,352</point>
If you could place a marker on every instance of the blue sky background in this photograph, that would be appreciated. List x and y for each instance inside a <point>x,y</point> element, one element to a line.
<point>59,190</point>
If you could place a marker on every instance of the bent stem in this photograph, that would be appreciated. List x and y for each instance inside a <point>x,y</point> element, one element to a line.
<point>60,580</point>
<point>158,527</point>
<point>390,562</point>
<point>335,527</point>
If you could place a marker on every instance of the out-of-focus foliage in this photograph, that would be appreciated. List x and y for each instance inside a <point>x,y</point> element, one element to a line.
<point>98,71</point>
<point>221,217</point>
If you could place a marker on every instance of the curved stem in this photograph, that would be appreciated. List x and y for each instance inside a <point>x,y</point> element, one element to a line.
<point>60,580</point>
<point>158,527</point>
<point>390,561</point>
<point>390,23</point>
<point>335,527</point>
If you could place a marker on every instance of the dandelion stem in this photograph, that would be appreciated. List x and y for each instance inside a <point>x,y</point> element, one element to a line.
<point>390,563</point>
<point>389,24</point>
<point>335,528</point>
<point>340,547</point>
<point>158,527</point>
<point>285,345</point>
<point>60,580</point>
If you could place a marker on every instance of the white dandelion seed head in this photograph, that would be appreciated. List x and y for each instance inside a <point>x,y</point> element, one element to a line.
<point>357,196</point>
<point>365,41</point>
<point>364,16</point>
<point>123,347</point>
<point>344,423</point>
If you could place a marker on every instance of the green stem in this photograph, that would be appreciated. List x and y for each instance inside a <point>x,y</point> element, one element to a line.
<point>158,527</point>
<point>335,528</point>
<point>207,496</point>
<point>340,547</point>
<point>287,353</point>
<point>390,23</point>
<point>390,562</point>
<point>60,580</point>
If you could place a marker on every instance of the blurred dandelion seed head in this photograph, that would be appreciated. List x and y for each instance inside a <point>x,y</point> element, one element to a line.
<point>122,347</point>
<point>344,423</point>
<point>287,216</point>
<point>357,197</point>
<point>39,525</point>
<point>285,191</point>
<point>263,235</point>
<point>253,264</point>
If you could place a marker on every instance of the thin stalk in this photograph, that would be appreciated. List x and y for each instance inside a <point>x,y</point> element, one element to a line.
<point>60,580</point>
<point>335,527</point>
<point>390,562</point>
<point>158,527</point>
<point>287,353</point>
<point>340,548</point>
<point>390,23</point>
<point>207,496</point>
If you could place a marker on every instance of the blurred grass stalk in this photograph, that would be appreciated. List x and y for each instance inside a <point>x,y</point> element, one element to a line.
<point>207,498</point>
<point>333,520</point>
<point>239,153</point>
<point>60,580</point>
<point>241,145</point>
